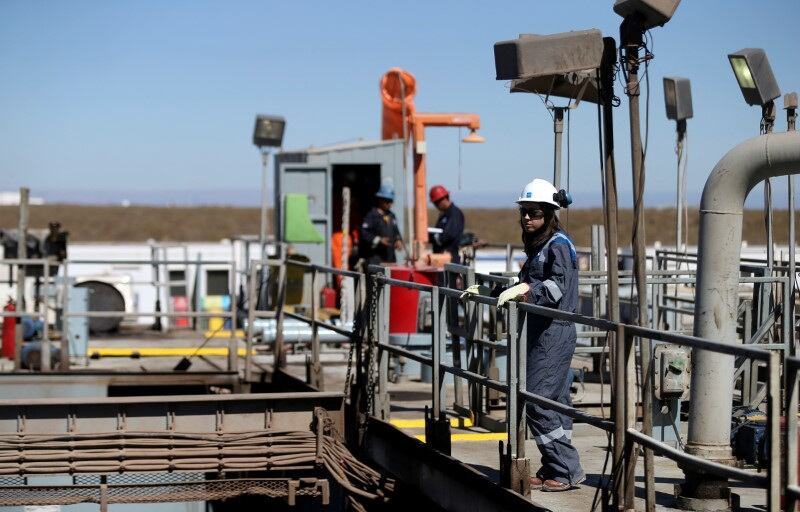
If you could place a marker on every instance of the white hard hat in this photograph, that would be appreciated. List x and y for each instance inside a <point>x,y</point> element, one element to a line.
<point>539,191</point>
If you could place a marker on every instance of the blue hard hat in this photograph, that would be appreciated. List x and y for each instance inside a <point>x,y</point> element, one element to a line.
<point>386,192</point>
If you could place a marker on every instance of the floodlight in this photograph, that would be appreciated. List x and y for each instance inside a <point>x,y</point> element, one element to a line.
<point>651,13</point>
<point>473,138</point>
<point>754,74</point>
<point>678,98</point>
<point>558,64</point>
<point>790,101</point>
<point>268,131</point>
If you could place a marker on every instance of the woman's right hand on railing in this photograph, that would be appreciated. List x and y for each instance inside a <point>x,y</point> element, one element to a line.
<point>476,289</point>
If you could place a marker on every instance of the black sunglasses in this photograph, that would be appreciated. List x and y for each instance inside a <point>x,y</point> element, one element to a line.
<point>533,213</point>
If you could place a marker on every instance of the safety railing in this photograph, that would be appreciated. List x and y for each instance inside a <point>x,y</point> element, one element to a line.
<point>63,281</point>
<point>318,272</point>
<point>515,466</point>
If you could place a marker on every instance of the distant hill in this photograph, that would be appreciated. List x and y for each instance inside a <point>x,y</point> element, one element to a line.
<point>211,223</point>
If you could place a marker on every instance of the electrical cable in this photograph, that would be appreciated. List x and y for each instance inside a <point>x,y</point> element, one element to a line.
<point>601,95</point>
<point>460,144</point>
<point>566,212</point>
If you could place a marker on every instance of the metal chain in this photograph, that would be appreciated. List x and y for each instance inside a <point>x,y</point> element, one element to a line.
<point>352,351</point>
<point>373,305</point>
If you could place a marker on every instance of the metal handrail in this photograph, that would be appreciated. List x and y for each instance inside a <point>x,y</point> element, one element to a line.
<point>628,434</point>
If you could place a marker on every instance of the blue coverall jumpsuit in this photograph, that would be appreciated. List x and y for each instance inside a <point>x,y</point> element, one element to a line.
<point>451,222</point>
<point>378,224</point>
<point>552,274</point>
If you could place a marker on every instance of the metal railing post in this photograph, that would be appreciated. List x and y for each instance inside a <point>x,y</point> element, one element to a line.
<point>382,400</point>
<point>619,417</point>
<point>360,318</point>
<point>469,326</point>
<point>251,317</point>
<point>278,349</point>
<point>437,391</point>
<point>773,431</point>
<point>437,425</point>
<point>233,341</point>
<point>512,378</point>
<point>509,257</point>
<point>45,364</point>
<point>790,461</point>
<point>316,365</point>
<point>787,320</point>
<point>64,345</point>
<point>519,467</point>
<point>630,421</point>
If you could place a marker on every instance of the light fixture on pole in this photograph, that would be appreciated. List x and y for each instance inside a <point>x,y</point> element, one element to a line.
<point>759,87</point>
<point>268,133</point>
<point>754,74</point>
<point>563,65</point>
<point>678,102</point>
<point>638,17</point>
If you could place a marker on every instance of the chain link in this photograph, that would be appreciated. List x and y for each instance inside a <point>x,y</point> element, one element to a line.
<point>371,355</point>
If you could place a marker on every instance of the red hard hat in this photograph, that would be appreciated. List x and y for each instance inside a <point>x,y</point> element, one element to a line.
<point>438,192</point>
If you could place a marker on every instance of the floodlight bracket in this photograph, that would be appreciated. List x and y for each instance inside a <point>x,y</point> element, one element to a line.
<point>581,92</point>
<point>768,115</point>
<point>680,129</point>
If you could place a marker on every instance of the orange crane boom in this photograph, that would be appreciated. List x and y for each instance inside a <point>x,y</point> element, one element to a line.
<point>401,120</point>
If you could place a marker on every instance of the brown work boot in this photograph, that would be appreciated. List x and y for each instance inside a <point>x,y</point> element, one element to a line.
<point>556,486</point>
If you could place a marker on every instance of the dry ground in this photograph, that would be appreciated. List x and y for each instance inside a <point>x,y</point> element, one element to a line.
<point>211,223</point>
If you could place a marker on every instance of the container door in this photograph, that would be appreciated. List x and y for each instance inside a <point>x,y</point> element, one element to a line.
<point>314,181</point>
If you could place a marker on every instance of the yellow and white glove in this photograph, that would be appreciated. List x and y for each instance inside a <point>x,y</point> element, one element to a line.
<point>516,292</point>
<point>476,289</point>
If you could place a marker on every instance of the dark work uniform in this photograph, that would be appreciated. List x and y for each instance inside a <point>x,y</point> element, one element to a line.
<point>451,222</point>
<point>378,225</point>
<point>552,274</point>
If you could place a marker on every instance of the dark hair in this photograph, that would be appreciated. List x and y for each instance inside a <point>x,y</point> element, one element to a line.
<point>533,242</point>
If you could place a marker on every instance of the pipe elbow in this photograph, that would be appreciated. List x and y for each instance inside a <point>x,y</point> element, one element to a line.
<point>746,165</point>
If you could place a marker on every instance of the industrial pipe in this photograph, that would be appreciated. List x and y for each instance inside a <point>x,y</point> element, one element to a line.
<point>720,242</point>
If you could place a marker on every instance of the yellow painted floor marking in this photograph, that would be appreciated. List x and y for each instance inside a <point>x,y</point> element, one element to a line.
<point>473,436</point>
<point>162,351</point>
<point>420,423</point>
<point>239,333</point>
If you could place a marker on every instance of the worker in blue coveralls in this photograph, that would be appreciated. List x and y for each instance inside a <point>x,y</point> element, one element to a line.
<point>449,228</point>
<point>548,278</point>
<point>380,236</point>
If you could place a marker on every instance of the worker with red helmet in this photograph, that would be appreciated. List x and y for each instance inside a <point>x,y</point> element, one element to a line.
<point>446,236</point>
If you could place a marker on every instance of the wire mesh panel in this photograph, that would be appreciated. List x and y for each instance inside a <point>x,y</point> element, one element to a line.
<point>163,488</point>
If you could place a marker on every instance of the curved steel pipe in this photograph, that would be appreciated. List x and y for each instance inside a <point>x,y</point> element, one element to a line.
<point>720,241</point>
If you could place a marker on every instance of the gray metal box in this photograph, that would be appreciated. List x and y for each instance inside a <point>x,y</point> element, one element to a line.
<point>790,100</point>
<point>678,98</point>
<point>671,372</point>
<point>533,55</point>
<point>78,325</point>
<point>653,12</point>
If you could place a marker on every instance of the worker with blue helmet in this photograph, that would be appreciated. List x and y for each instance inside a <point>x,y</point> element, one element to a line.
<point>548,278</point>
<point>379,236</point>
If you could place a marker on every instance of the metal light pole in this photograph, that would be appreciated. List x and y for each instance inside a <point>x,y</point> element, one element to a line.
<point>262,237</point>
<point>268,133</point>
<point>22,253</point>
<point>678,103</point>
<point>558,130</point>
<point>639,16</point>
<point>790,105</point>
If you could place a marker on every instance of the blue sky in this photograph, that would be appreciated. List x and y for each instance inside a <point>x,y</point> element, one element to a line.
<point>102,98</point>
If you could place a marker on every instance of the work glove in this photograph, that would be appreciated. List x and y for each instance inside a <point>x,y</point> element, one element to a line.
<point>516,292</point>
<point>476,289</point>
